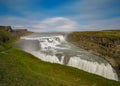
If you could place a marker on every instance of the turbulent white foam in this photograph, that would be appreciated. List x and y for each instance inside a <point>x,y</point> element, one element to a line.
<point>47,42</point>
<point>52,42</point>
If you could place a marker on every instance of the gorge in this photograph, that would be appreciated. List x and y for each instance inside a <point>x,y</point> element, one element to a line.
<point>55,49</point>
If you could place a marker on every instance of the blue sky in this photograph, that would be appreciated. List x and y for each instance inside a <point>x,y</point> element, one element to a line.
<point>61,15</point>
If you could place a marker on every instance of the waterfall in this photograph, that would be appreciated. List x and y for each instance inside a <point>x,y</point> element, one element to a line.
<point>93,67</point>
<point>54,49</point>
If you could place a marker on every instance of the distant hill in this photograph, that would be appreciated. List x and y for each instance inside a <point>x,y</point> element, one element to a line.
<point>15,32</point>
<point>7,35</point>
<point>6,28</point>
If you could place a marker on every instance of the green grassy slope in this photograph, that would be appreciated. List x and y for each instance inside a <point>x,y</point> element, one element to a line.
<point>18,68</point>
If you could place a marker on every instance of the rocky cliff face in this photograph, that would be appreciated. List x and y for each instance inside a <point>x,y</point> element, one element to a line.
<point>4,34</point>
<point>6,28</point>
<point>103,43</point>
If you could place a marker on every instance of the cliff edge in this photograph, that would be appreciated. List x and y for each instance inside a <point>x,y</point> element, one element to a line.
<point>103,43</point>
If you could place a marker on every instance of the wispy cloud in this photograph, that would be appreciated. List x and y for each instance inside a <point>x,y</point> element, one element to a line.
<point>57,24</point>
<point>60,24</point>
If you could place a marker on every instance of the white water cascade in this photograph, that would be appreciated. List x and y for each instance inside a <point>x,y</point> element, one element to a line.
<point>55,49</point>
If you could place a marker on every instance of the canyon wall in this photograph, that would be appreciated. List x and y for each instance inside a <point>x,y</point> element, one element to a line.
<point>103,43</point>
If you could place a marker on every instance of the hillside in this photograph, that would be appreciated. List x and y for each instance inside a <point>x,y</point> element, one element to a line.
<point>103,43</point>
<point>21,69</point>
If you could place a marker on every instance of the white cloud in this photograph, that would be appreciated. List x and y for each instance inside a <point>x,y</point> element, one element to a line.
<point>56,24</point>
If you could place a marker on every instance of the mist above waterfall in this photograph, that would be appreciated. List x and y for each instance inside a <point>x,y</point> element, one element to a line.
<point>54,48</point>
